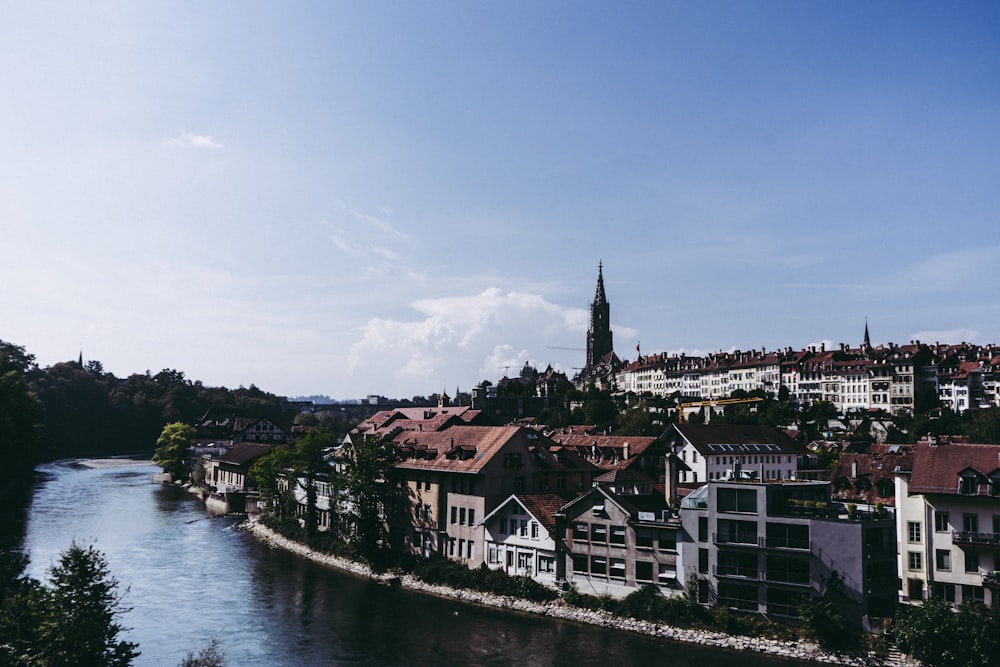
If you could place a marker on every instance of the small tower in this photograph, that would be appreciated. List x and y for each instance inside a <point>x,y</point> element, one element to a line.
<point>867,344</point>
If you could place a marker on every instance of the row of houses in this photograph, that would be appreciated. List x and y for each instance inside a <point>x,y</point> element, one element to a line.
<point>740,515</point>
<point>887,377</point>
<point>720,510</point>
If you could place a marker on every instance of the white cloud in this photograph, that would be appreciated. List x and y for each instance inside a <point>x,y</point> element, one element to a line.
<point>186,139</point>
<point>462,339</point>
<point>946,336</point>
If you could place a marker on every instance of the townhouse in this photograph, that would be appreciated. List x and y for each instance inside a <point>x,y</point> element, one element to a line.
<point>712,452</point>
<point>948,522</point>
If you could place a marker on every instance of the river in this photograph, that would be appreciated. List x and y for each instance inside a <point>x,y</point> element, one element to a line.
<point>191,577</point>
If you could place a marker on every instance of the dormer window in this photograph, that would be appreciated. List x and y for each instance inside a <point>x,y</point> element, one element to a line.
<point>995,483</point>
<point>967,484</point>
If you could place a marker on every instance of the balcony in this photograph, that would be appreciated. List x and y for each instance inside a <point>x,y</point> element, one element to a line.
<point>991,580</point>
<point>968,538</point>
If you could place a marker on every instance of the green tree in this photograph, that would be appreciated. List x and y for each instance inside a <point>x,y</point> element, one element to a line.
<point>19,610</point>
<point>172,449</point>
<point>82,605</point>
<point>211,655</point>
<point>375,496</point>
<point>936,635</point>
<point>984,426</point>
<point>20,419</point>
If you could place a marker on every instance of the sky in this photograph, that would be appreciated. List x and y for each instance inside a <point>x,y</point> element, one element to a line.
<point>397,198</point>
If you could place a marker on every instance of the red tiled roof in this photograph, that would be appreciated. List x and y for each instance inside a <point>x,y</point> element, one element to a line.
<point>938,468</point>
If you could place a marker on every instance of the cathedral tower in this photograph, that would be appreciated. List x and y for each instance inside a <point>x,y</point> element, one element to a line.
<point>599,342</point>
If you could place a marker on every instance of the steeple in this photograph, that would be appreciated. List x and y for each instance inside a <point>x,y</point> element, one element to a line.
<point>599,296</point>
<point>599,340</point>
<point>867,345</point>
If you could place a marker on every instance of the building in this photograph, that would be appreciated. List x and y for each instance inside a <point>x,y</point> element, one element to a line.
<point>713,452</point>
<point>520,535</point>
<point>765,546</point>
<point>619,536</point>
<point>948,523</point>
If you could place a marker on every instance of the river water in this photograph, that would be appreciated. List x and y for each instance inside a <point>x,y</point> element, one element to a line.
<point>191,578</point>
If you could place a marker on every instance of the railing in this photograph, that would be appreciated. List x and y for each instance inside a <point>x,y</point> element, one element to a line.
<point>971,537</point>
<point>991,579</point>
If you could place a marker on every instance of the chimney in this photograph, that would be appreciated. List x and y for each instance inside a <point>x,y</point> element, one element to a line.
<point>854,468</point>
<point>672,473</point>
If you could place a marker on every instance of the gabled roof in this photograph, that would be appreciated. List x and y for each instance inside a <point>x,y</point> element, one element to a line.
<point>543,507</point>
<point>245,453</point>
<point>937,468</point>
<point>607,452</point>
<point>710,439</point>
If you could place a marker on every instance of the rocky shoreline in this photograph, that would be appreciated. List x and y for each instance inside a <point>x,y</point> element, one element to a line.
<point>800,651</point>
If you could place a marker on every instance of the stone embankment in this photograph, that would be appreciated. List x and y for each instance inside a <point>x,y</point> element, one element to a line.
<point>800,651</point>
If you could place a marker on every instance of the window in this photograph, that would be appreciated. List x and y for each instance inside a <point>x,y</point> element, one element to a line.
<point>703,561</point>
<point>703,529</point>
<point>970,523</point>
<point>940,522</point>
<point>914,560</point>
<point>967,484</point>
<point>493,555</point>
<point>534,530</point>
<point>942,560</point>
<point>668,540</point>
<point>580,563</point>
<point>617,534</point>
<point>472,549</point>
<point>618,568</point>
<point>523,560</point>
<point>737,500</point>
<point>943,591</point>
<point>472,517</point>
<point>644,538</point>
<point>451,546</point>
<point>461,548</point>
<point>973,593</point>
<point>667,571</point>
<point>524,527</point>
<point>461,516</point>
<point>972,561</point>
<point>581,531</point>
<point>454,515</point>
<point>598,565</point>
<point>913,531</point>
<point>519,484</point>
<point>741,532</point>
<point>598,532</point>
<point>643,570</point>
<point>546,564</point>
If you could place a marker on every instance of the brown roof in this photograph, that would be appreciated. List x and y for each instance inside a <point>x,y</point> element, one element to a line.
<point>938,468</point>
<point>459,448</point>
<point>244,453</point>
<point>607,452</point>
<point>544,506</point>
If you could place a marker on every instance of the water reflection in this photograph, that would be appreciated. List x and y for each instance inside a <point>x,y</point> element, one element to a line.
<point>193,577</point>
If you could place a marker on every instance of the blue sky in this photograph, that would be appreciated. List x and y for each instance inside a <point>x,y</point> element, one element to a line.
<point>397,197</point>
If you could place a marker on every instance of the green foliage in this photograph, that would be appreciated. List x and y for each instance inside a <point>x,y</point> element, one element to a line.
<point>936,635</point>
<point>376,497</point>
<point>172,448</point>
<point>637,420</point>
<point>20,419</point>
<point>78,614</point>
<point>211,655</point>
<point>438,570</point>
<point>828,628</point>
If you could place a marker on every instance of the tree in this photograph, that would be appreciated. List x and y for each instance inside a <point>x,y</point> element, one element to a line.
<point>81,608</point>
<point>211,655</point>
<point>936,635</point>
<point>20,419</point>
<point>19,610</point>
<point>172,449</point>
<point>370,481</point>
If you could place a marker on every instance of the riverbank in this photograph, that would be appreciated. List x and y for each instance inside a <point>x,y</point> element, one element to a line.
<point>800,651</point>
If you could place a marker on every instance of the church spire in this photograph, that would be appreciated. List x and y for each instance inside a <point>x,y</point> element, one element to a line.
<point>599,296</point>
<point>868,340</point>
<point>599,340</point>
